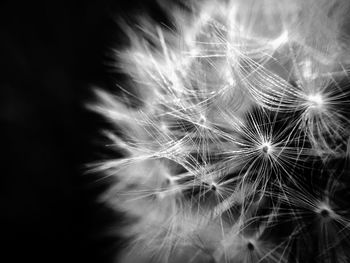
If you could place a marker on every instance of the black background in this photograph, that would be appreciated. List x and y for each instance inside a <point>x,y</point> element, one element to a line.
<point>51,54</point>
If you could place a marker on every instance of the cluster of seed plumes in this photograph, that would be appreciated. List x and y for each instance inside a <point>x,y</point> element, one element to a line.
<point>232,133</point>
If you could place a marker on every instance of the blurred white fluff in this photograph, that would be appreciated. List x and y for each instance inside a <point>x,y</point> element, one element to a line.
<point>194,84</point>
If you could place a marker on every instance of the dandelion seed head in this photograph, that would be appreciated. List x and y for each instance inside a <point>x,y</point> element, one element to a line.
<point>220,133</point>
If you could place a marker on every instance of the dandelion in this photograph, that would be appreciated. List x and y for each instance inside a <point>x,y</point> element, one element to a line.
<point>224,115</point>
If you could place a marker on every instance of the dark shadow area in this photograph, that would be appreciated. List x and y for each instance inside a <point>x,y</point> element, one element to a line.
<point>52,53</point>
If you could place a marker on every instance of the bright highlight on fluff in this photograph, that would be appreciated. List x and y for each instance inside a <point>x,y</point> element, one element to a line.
<point>266,147</point>
<point>315,100</point>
